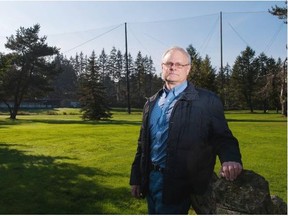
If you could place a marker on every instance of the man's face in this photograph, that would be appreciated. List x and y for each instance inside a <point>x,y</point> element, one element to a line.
<point>175,67</point>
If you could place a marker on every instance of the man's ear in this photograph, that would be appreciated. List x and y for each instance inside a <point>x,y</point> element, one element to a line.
<point>189,69</point>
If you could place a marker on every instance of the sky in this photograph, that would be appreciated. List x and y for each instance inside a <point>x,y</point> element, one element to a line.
<point>152,27</point>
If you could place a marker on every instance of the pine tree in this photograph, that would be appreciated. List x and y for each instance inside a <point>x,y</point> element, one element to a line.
<point>202,74</point>
<point>208,75</point>
<point>280,12</point>
<point>195,71</point>
<point>224,87</point>
<point>93,97</point>
<point>244,76</point>
<point>103,64</point>
<point>112,64</point>
<point>31,72</point>
<point>149,76</point>
<point>119,72</point>
<point>65,83</point>
<point>138,81</point>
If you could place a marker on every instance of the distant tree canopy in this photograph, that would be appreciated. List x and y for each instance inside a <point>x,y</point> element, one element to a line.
<point>253,82</point>
<point>99,82</point>
<point>111,69</point>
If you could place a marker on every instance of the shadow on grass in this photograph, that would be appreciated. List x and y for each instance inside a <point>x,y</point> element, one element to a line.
<point>32,184</point>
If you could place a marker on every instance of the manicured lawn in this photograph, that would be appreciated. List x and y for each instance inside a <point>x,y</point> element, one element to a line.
<point>55,163</point>
<point>263,142</point>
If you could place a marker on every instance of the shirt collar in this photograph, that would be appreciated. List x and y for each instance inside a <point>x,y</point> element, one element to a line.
<point>177,89</point>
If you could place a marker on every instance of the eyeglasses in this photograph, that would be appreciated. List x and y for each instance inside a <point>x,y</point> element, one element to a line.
<point>177,65</point>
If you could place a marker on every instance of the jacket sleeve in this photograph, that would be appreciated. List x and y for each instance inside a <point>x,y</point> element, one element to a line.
<point>135,176</point>
<point>226,145</point>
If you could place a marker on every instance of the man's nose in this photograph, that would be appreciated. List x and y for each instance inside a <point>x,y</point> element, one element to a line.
<point>172,66</point>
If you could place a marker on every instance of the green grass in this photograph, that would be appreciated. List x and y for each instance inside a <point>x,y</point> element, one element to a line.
<point>263,142</point>
<point>55,163</point>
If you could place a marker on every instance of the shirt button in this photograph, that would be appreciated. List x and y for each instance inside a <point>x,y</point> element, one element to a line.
<point>158,135</point>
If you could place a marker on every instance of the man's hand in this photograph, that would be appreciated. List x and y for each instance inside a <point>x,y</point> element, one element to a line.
<point>135,191</point>
<point>230,170</point>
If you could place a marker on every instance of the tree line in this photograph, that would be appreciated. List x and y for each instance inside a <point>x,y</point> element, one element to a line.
<point>253,82</point>
<point>101,80</point>
<point>98,82</point>
<point>35,70</point>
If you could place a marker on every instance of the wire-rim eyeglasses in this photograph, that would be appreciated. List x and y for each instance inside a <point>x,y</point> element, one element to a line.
<point>176,64</point>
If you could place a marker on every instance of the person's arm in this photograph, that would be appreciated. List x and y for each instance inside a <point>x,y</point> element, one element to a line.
<point>227,146</point>
<point>135,176</point>
<point>135,191</point>
<point>230,170</point>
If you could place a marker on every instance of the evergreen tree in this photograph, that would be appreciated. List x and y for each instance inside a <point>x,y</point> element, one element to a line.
<point>119,73</point>
<point>65,83</point>
<point>106,68</point>
<point>244,77</point>
<point>195,71</point>
<point>7,72</point>
<point>31,73</point>
<point>82,63</point>
<point>208,75</point>
<point>192,52</point>
<point>263,86</point>
<point>110,79</point>
<point>138,81</point>
<point>126,81</point>
<point>93,98</point>
<point>112,68</point>
<point>224,88</point>
<point>103,65</point>
<point>76,65</point>
<point>280,12</point>
<point>274,83</point>
<point>202,74</point>
<point>149,76</point>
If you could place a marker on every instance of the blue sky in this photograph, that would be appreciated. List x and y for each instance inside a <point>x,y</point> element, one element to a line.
<point>153,26</point>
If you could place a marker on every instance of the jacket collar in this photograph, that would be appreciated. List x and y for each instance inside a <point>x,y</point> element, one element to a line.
<point>189,94</point>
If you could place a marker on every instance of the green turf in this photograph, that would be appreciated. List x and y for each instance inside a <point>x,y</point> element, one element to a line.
<point>52,162</point>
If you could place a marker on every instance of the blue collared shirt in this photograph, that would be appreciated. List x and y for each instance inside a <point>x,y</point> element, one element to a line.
<point>159,122</point>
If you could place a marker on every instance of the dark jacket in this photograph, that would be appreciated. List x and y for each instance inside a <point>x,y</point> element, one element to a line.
<point>197,133</point>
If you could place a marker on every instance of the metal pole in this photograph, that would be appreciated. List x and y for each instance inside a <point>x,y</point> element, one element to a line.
<point>127,71</point>
<point>221,43</point>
